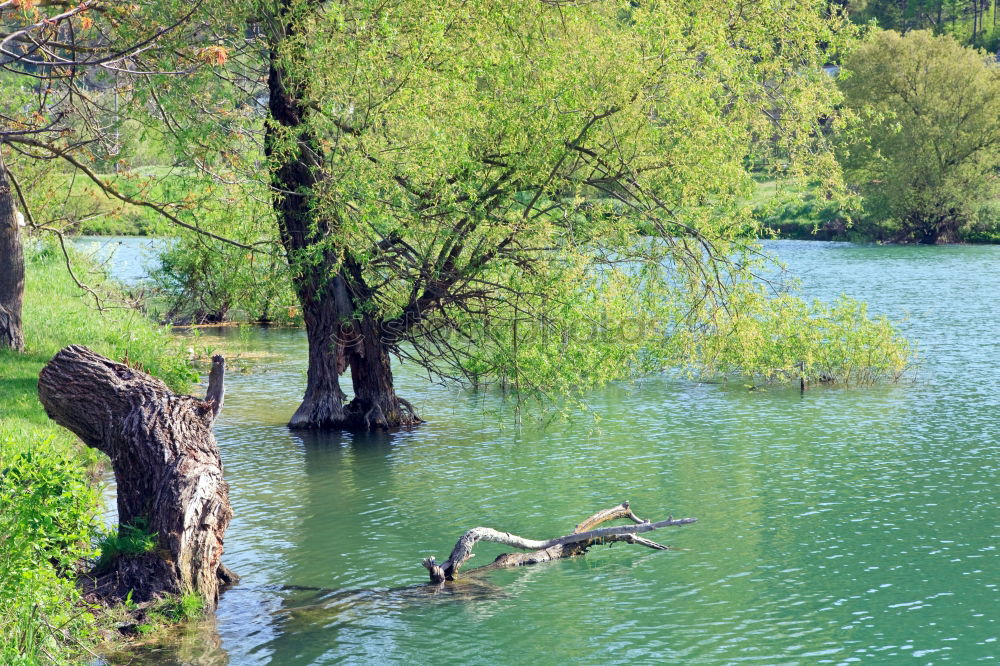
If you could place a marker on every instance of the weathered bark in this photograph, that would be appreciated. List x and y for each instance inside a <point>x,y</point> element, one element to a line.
<point>319,286</point>
<point>166,464</point>
<point>329,286</point>
<point>577,543</point>
<point>11,268</point>
<point>323,403</point>
<point>375,405</point>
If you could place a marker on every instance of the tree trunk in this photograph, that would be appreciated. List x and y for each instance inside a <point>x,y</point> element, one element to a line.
<point>583,537</point>
<point>323,403</point>
<point>167,468</point>
<point>375,405</point>
<point>328,283</point>
<point>11,268</point>
<point>319,286</point>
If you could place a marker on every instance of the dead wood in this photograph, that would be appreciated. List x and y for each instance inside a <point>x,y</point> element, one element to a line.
<point>585,535</point>
<point>167,468</point>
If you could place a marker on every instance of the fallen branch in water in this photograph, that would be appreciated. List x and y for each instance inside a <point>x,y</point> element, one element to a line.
<point>583,537</point>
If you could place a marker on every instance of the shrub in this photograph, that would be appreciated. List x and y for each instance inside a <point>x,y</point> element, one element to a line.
<point>789,338</point>
<point>210,282</point>
<point>45,530</point>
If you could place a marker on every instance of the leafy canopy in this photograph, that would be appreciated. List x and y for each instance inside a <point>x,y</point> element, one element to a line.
<point>507,186</point>
<point>926,166</point>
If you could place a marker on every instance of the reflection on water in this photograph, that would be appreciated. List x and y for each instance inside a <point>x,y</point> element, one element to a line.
<point>834,526</point>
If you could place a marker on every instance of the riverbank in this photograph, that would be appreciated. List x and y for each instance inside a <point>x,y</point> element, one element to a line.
<point>47,477</point>
<point>791,212</point>
<point>786,212</point>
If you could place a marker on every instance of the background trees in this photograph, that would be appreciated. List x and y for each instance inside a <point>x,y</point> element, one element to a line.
<point>73,80</point>
<point>970,21</point>
<point>927,167</point>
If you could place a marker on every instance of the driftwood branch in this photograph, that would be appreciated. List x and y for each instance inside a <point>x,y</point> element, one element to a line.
<point>583,537</point>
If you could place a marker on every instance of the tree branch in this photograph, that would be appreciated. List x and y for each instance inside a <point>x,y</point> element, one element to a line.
<point>109,189</point>
<point>565,546</point>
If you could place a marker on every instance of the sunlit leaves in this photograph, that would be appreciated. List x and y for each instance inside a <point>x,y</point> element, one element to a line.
<point>927,160</point>
<point>516,184</point>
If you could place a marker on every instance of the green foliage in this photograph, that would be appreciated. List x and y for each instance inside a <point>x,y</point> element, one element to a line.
<point>57,503</point>
<point>66,315</point>
<point>204,281</point>
<point>47,521</point>
<point>545,196</point>
<point>786,338</point>
<point>45,529</point>
<point>972,23</point>
<point>127,541</point>
<point>927,159</point>
<point>493,185</point>
<point>800,212</point>
<point>61,199</point>
<point>619,328</point>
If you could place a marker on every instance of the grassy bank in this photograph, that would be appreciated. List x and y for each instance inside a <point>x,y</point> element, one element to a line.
<point>50,507</point>
<point>75,204</point>
<point>801,213</point>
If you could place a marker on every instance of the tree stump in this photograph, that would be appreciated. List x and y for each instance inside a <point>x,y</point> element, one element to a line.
<point>585,535</point>
<point>166,464</point>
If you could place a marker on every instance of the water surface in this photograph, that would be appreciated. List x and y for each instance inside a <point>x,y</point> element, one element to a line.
<point>129,259</point>
<point>836,526</point>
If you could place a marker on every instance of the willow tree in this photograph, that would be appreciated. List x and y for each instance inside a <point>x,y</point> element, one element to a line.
<point>533,192</point>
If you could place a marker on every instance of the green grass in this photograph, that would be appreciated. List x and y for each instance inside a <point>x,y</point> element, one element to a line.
<point>801,213</point>
<point>48,522</point>
<point>793,211</point>
<point>128,540</point>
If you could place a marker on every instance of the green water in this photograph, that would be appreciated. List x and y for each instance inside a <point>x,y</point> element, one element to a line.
<point>836,526</point>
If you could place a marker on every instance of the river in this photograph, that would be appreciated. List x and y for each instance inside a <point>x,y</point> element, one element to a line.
<point>834,526</point>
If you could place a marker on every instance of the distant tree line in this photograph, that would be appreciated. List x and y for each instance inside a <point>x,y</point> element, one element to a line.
<point>919,136</point>
<point>973,22</point>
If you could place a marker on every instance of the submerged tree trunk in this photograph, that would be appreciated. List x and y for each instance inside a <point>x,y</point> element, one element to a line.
<point>323,403</point>
<point>375,405</point>
<point>578,542</point>
<point>167,469</point>
<point>295,160</point>
<point>11,268</point>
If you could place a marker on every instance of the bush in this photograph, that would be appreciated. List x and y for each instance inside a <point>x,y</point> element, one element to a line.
<point>787,338</point>
<point>45,530</point>
<point>210,282</point>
